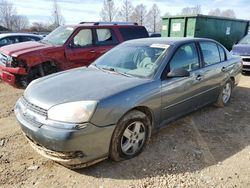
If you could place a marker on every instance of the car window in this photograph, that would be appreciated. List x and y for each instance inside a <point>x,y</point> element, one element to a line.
<point>29,38</point>
<point>222,54</point>
<point>9,40</point>
<point>185,57</point>
<point>105,36</point>
<point>4,41</point>
<point>210,53</point>
<point>129,33</point>
<point>83,38</point>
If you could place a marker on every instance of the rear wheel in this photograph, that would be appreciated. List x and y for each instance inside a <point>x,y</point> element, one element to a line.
<point>130,136</point>
<point>225,95</point>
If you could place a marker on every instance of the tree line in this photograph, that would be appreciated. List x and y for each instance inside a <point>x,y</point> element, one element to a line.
<point>150,18</point>
<point>10,19</point>
<point>127,12</point>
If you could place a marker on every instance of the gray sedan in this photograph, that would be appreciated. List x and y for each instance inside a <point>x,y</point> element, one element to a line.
<point>109,109</point>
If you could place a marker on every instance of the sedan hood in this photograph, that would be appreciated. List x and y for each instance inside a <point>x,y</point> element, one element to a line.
<point>77,85</point>
<point>241,49</point>
<point>24,47</point>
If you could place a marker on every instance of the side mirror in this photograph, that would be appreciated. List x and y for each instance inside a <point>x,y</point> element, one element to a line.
<point>180,72</point>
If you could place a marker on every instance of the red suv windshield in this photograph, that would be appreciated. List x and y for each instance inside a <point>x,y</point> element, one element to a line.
<point>59,36</point>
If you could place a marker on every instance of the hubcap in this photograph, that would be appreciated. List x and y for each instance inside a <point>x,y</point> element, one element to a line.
<point>226,93</point>
<point>133,138</point>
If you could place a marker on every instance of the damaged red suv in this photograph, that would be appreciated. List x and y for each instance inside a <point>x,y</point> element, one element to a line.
<point>65,48</point>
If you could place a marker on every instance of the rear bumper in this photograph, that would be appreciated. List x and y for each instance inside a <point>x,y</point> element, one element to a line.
<point>8,74</point>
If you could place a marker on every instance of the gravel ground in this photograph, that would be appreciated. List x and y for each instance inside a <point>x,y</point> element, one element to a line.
<point>208,148</point>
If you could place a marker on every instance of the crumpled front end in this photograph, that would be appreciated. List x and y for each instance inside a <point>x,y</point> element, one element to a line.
<point>8,73</point>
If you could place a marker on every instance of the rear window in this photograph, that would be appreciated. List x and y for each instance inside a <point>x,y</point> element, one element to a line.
<point>130,33</point>
<point>105,37</point>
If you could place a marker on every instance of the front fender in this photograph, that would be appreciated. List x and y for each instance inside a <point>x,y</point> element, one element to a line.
<point>110,110</point>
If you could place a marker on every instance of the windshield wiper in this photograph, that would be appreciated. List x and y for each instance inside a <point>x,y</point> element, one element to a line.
<point>113,70</point>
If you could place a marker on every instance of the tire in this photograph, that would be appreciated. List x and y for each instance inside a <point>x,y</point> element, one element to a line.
<point>225,94</point>
<point>23,81</point>
<point>130,136</point>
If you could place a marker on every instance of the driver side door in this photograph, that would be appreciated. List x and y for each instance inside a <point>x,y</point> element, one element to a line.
<point>180,95</point>
<point>81,51</point>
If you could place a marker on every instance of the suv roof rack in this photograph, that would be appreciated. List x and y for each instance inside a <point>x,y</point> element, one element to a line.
<point>110,23</point>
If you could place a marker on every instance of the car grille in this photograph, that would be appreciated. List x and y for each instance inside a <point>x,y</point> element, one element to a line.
<point>3,59</point>
<point>32,121</point>
<point>246,59</point>
<point>33,107</point>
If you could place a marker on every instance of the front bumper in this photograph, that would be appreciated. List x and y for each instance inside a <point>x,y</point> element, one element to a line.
<point>74,148</point>
<point>7,74</point>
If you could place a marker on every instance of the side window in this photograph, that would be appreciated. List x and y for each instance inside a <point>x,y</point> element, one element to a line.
<point>185,57</point>
<point>222,54</point>
<point>133,32</point>
<point>105,36</point>
<point>4,42</point>
<point>14,40</point>
<point>9,40</point>
<point>210,53</point>
<point>29,38</point>
<point>83,38</point>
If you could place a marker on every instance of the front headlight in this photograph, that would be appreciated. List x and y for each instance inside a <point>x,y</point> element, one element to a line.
<point>73,112</point>
<point>9,60</point>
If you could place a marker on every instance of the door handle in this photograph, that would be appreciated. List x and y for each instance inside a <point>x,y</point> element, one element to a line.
<point>92,51</point>
<point>198,77</point>
<point>223,69</point>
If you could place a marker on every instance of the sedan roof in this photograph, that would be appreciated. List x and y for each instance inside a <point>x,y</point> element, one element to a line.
<point>166,40</point>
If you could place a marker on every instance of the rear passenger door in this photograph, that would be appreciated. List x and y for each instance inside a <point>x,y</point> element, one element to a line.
<point>105,39</point>
<point>213,72</point>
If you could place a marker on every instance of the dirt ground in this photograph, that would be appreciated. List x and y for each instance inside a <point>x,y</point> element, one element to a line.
<point>208,148</point>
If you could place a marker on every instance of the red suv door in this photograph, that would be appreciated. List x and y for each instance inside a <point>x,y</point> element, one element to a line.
<point>105,40</point>
<point>81,51</point>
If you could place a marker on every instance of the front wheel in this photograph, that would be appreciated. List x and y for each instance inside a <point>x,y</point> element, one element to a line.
<point>225,95</point>
<point>130,136</point>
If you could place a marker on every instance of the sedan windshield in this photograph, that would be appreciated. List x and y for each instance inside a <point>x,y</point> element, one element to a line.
<point>59,36</point>
<point>245,40</point>
<point>138,61</point>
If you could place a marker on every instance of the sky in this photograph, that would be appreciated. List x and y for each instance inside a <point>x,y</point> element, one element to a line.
<point>75,11</point>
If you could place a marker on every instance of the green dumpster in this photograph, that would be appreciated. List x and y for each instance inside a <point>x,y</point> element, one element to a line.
<point>227,31</point>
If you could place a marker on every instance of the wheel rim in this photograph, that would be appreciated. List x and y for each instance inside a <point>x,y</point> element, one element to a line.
<point>226,93</point>
<point>133,138</point>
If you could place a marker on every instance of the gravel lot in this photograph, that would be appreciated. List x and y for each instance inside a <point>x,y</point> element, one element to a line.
<point>208,148</point>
